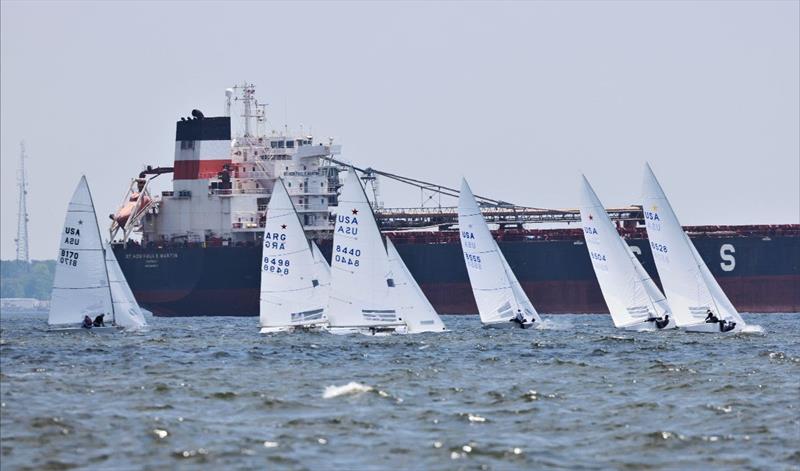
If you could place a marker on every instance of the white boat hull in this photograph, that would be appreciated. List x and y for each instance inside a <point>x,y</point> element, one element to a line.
<point>373,331</point>
<point>648,326</point>
<point>711,328</point>
<point>293,328</point>
<point>94,330</point>
<point>508,324</point>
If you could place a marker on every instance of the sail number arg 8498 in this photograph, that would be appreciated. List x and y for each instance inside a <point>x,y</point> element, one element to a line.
<point>276,265</point>
<point>347,256</point>
<point>69,258</point>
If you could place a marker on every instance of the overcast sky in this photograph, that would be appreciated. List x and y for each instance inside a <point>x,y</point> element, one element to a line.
<point>520,98</point>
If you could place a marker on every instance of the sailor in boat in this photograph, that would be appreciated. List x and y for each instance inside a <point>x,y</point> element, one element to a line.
<point>726,326</point>
<point>711,318</point>
<point>98,321</point>
<point>87,322</point>
<point>661,323</point>
<point>520,319</point>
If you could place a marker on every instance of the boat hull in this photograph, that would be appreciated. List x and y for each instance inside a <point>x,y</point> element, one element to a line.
<point>710,328</point>
<point>759,274</point>
<point>294,328</point>
<point>649,326</point>
<point>372,331</point>
<point>81,330</point>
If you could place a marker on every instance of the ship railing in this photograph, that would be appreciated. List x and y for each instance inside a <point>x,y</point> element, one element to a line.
<point>510,235</point>
<point>419,217</point>
<point>254,174</point>
<point>239,191</point>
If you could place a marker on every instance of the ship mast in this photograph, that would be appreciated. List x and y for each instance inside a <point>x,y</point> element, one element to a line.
<point>22,211</point>
<point>248,101</point>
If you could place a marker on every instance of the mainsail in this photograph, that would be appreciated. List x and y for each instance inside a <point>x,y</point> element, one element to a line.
<point>689,285</point>
<point>497,292</point>
<point>361,286</point>
<point>80,285</point>
<point>292,291</point>
<point>630,294</point>
<point>412,304</point>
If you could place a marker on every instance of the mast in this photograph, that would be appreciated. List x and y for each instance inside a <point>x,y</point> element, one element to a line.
<point>22,212</point>
<point>248,100</point>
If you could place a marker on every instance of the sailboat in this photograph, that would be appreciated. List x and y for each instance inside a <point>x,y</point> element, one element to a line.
<point>88,280</point>
<point>695,298</point>
<point>633,299</point>
<point>295,278</point>
<point>372,291</point>
<point>499,296</point>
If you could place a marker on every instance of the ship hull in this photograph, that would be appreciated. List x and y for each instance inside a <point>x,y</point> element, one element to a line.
<point>759,274</point>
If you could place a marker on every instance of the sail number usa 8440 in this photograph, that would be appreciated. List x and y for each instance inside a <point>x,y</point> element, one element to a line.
<point>347,256</point>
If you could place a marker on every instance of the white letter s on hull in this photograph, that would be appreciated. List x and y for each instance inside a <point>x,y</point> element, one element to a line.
<point>726,254</point>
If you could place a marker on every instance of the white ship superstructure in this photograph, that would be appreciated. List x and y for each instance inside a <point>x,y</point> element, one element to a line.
<point>222,184</point>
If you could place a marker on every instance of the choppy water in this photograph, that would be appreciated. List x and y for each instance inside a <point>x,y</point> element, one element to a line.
<point>213,393</point>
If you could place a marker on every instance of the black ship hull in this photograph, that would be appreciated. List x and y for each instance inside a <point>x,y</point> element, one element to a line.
<point>759,273</point>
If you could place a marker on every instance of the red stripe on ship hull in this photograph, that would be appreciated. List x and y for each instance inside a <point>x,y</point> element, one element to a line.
<point>198,169</point>
<point>748,294</point>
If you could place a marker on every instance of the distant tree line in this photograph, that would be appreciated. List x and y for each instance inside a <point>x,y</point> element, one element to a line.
<point>26,280</point>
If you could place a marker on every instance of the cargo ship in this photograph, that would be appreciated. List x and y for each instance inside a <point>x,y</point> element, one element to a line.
<point>195,250</point>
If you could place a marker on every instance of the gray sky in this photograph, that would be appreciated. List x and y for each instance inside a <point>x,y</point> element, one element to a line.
<point>520,98</point>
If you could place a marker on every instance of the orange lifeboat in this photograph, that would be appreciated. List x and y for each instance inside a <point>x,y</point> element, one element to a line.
<point>124,213</point>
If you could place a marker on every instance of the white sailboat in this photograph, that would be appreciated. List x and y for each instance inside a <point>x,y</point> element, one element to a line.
<point>695,298</point>
<point>632,297</point>
<point>498,294</point>
<point>88,280</point>
<point>365,296</point>
<point>294,283</point>
<point>412,304</point>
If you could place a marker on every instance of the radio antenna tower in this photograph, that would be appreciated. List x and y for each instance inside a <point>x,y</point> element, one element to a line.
<point>22,213</point>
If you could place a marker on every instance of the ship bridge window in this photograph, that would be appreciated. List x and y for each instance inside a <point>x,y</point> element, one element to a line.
<point>273,144</point>
<point>290,144</point>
